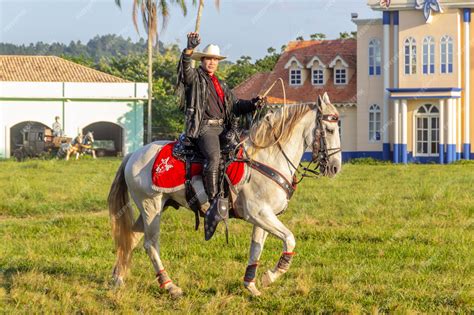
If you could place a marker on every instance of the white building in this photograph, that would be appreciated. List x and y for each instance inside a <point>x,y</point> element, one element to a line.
<point>36,89</point>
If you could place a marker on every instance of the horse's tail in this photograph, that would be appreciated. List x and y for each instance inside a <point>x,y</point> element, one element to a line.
<point>121,216</point>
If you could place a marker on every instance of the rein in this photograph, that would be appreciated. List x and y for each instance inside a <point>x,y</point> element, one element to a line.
<point>321,153</point>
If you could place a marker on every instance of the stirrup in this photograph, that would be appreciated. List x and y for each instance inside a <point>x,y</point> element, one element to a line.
<point>219,211</point>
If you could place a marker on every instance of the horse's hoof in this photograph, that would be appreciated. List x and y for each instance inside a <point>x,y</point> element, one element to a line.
<point>252,288</point>
<point>175,291</point>
<point>267,278</point>
<point>118,282</point>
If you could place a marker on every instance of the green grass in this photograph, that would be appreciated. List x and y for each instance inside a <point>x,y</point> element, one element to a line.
<point>386,238</point>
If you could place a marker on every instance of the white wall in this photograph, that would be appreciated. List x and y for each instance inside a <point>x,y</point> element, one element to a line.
<point>42,101</point>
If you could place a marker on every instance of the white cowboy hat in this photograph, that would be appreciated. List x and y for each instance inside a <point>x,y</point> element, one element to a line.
<point>210,51</point>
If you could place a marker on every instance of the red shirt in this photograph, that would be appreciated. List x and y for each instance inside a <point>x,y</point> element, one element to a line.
<point>218,87</point>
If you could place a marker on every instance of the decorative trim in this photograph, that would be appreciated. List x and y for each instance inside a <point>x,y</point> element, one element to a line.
<point>386,151</point>
<point>293,59</point>
<point>403,90</point>
<point>338,58</point>
<point>396,153</point>
<point>428,6</point>
<point>386,18</point>
<point>396,18</point>
<point>404,153</point>
<point>311,63</point>
<point>345,104</point>
<point>466,151</point>
<point>441,153</point>
<point>467,15</point>
<point>422,97</point>
<point>450,153</point>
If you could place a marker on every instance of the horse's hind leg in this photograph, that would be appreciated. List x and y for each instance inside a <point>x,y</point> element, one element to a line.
<point>138,228</point>
<point>256,247</point>
<point>152,210</point>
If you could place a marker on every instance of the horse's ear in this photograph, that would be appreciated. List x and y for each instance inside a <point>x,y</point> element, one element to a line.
<point>326,98</point>
<point>320,102</point>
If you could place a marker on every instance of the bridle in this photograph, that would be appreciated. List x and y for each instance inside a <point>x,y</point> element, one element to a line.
<point>320,154</point>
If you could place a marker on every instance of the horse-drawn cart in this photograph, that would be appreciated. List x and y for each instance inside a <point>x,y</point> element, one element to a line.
<point>38,141</point>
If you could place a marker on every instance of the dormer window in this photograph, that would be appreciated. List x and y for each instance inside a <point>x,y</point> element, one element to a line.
<point>340,76</point>
<point>295,71</point>
<point>295,77</point>
<point>340,67</point>
<point>318,76</point>
<point>317,68</point>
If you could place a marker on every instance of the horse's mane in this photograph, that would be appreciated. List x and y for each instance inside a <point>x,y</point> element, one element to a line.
<point>277,126</point>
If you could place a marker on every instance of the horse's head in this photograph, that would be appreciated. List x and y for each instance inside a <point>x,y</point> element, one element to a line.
<point>89,137</point>
<point>326,141</point>
<point>78,139</point>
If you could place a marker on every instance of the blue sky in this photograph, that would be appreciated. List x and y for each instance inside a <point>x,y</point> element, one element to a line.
<point>241,27</point>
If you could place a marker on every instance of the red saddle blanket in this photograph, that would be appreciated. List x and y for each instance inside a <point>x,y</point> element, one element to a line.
<point>169,172</point>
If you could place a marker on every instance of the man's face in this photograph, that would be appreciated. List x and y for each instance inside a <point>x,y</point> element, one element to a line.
<point>209,64</point>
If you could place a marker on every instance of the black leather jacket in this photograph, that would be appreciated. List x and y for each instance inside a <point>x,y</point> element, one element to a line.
<point>195,84</point>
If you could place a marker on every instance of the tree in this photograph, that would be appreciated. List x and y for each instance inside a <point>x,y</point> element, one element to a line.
<point>149,13</point>
<point>199,13</point>
<point>299,38</point>
<point>346,35</point>
<point>199,16</point>
<point>317,36</point>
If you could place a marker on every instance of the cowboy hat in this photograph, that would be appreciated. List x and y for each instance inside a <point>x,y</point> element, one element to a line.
<point>210,51</point>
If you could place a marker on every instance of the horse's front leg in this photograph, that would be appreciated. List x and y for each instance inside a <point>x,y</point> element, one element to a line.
<point>268,221</point>
<point>256,247</point>
<point>93,154</point>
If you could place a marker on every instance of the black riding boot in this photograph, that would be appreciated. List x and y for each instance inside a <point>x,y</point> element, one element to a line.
<point>218,210</point>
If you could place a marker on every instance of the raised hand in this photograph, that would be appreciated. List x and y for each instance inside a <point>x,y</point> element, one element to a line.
<point>193,40</point>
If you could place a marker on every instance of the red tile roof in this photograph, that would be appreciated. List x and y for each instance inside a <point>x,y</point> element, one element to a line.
<point>304,51</point>
<point>252,86</point>
<point>50,69</point>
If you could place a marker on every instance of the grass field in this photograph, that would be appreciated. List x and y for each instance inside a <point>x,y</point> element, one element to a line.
<point>376,238</point>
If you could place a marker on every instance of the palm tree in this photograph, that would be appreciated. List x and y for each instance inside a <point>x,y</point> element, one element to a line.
<point>199,15</point>
<point>149,12</point>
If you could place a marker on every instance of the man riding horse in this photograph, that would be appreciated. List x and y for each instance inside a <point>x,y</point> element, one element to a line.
<point>211,109</point>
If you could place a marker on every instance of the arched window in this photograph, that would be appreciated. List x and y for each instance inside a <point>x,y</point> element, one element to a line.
<point>374,123</point>
<point>410,56</point>
<point>375,57</point>
<point>427,130</point>
<point>447,51</point>
<point>428,55</point>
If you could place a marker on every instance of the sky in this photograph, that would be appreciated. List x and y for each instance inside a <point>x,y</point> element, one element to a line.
<point>240,27</point>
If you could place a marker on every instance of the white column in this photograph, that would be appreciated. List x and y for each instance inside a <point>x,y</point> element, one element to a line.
<point>455,128</point>
<point>7,142</point>
<point>396,131</point>
<point>396,60</point>
<point>386,83</point>
<point>467,82</point>
<point>458,127</point>
<point>404,128</point>
<point>441,131</point>
<point>450,129</point>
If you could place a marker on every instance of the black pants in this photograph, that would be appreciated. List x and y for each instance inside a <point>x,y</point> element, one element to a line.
<point>210,147</point>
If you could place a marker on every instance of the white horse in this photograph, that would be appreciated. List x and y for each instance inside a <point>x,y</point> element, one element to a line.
<point>294,128</point>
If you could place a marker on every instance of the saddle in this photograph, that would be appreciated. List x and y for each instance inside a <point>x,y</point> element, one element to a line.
<point>186,148</point>
<point>188,152</point>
